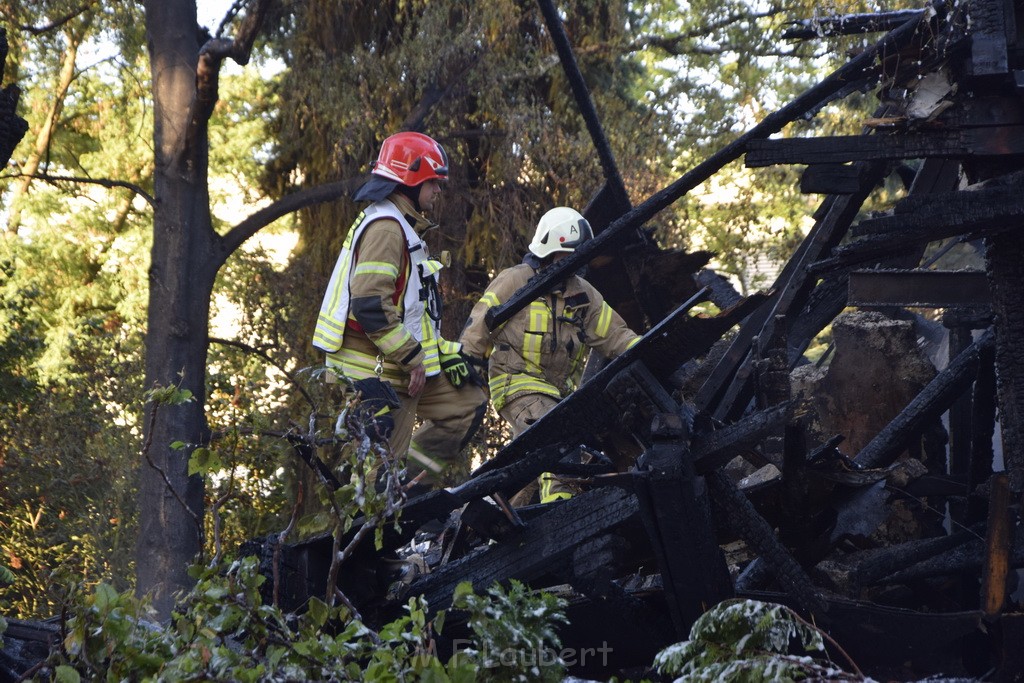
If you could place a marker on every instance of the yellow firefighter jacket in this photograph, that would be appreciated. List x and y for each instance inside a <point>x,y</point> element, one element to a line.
<point>382,301</point>
<point>542,348</point>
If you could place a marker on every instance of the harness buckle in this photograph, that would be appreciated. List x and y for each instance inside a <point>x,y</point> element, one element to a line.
<point>379,368</point>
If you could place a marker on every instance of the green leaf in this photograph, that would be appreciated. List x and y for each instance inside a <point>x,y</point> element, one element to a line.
<point>465,588</point>
<point>6,576</point>
<point>105,597</point>
<point>318,611</point>
<point>203,461</point>
<point>65,674</point>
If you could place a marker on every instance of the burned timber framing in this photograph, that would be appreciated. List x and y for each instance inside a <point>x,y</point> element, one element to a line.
<point>650,541</point>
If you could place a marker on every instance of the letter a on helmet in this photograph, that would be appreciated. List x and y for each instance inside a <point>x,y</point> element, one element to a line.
<point>560,229</point>
<point>411,159</point>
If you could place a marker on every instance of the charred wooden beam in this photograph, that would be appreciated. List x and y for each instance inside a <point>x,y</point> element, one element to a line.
<point>968,556</point>
<point>882,636</point>
<point>676,514</point>
<point>831,179</point>
<point>933,400</point>
<point>918,288</point>
<point>749,525</point>
<point>984,111</point>
<point>983,419</point>
<point>543,546</point>
<point>962,144</point>
<point>989,37</point>
<point>848,24</point>
<point>26,644</point>
<point>585,103</point>
<point>960,337</point>
<point>998,541</point>
<point>974,213</point>
<point>881,562</point>
<point>1004,260</point>
<point>611,237</point>
<point>610,276</point>
<point>711,450</point>
<point>722,293</point>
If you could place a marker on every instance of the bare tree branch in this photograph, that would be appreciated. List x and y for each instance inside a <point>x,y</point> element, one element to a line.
<point>328,192</point>
<point>265,356</point>
<point>105,182</point>
<point>212,55</point>
<point>58,22</point>
<point>229,16</point>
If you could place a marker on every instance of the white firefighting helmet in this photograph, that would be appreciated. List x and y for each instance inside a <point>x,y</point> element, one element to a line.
<point>560,229</point>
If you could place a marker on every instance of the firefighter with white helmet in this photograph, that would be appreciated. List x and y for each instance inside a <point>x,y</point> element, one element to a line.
<point>381,314</point>
<point>537,356</point>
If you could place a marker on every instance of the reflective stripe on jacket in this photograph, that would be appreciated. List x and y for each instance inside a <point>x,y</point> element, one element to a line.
<point>362,300</point>
<point>542,349</point>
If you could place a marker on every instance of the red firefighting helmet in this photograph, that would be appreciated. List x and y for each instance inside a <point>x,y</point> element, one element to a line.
<point>411,159</point>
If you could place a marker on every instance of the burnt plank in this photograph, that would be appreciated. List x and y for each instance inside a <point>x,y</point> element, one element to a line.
<point>848,24</point>
<point>998,541</point>
<point>1004,261</point>
<point>949,217</point>
<point>891,637</point>
<point>881,562</point>
<point>830,179</point>
<point>675,510</point>
<point>983,421</point>
<point>711,450</point>
<point>984,111</point>
<point>988,38</point>
<point>993,141</point>
<point>528,553</point>
<point>918,288</point>
<point>969,556</point>
<point>749,525</point>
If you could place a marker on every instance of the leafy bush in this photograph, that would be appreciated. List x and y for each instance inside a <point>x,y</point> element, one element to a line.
<point>223,631</point>
<point>516,636</point>
<point>748,640</point>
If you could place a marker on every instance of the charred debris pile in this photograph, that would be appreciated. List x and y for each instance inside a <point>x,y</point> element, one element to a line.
<point>878,492</point>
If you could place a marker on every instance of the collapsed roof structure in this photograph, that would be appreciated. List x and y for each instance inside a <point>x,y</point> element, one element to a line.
<point>653,537</point>
<point>663,528</point>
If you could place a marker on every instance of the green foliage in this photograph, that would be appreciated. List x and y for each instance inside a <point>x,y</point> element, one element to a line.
<point>516,634</point>
<point>223,631</point>
<point>748,640</point>
<point>67,499</point>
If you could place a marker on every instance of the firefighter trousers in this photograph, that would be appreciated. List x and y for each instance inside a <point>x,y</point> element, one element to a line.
<point>450,417</point>
<point>521,412</point>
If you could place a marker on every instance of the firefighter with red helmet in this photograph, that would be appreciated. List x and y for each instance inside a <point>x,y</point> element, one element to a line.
<point>537,356</point>
<point>381,314</point>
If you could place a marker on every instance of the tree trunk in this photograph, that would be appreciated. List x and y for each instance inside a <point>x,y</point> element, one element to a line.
<point>185,258</point>
<point>45,137</point>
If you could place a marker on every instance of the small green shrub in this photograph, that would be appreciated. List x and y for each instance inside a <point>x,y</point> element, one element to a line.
<point>222,631</point>
<point>516,637</point>
<point>749,641</point>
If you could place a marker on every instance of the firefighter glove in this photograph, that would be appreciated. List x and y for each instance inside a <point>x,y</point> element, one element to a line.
<point>456,367</point>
